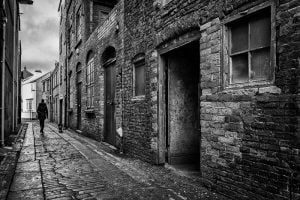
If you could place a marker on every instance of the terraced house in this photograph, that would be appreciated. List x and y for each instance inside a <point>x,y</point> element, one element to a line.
<point>207,84</point>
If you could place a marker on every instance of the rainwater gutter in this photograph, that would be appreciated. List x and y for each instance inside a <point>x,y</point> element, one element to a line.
<point>3,21</point>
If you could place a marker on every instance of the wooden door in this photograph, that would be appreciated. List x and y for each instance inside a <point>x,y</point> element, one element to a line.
<point>79,106</point>
<point>110,74</point>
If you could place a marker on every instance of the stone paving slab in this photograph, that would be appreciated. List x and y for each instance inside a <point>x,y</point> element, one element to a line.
<point>26,157</point>
<point>32,166</point>
<point>36,194</point>
<point>26,181</point>
<point>68,167</point>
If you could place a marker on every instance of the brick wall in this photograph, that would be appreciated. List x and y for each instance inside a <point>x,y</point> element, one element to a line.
<point>102,37</point>
<point>249,136</point>
<point>250,141</point>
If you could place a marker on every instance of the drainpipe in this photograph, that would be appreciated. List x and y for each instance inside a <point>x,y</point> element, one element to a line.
<point>3,21</point>
<point>16,11</point>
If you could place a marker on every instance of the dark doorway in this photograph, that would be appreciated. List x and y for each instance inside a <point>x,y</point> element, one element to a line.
<point>66,113</point>
<point>60,111</point>
<point>182,105</point>
<point>79,90</point>
<point>109,59</point>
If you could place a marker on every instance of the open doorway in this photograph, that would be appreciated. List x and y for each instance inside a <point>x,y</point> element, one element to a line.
<point>181,97</point>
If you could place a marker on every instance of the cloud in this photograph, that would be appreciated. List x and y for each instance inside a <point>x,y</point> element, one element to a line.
<point>39,34</point>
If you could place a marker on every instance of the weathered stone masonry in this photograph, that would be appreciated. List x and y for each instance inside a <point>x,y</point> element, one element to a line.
<point>248,136</point>
<point>96,39</point>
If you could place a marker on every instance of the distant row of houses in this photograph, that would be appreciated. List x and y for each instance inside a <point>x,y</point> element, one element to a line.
<point>37,86</point>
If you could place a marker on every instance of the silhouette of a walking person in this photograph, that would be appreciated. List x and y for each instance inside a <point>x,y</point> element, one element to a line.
<point>42,114</point>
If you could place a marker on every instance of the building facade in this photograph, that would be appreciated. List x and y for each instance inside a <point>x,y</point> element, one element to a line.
<point>10,55</point>
<point>210,84</point>
<point>43,90</point>
<point>32,93</point>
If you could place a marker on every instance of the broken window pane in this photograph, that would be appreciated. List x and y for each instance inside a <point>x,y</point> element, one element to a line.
<point>260,32</point>
<point>240,68</point>
<point>239,37</point>
<point>260,64</point>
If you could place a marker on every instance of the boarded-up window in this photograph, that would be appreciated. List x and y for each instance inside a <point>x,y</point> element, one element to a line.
<point>249,48</point>
<point>139,78</point>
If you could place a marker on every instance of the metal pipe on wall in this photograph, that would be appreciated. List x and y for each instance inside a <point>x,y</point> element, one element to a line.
<point>3,21</point>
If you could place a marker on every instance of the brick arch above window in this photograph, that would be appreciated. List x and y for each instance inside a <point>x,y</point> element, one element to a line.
<point>89,55</point>
<point>109,55</point>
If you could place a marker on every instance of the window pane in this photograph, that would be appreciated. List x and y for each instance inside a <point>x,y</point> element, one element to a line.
<point>260,32</point>
<point>239,37</point>
<point>92,96</point>
<point>240,68</point>
<point>88,96</point>
<point>140,80</point>
<point>260,64</point>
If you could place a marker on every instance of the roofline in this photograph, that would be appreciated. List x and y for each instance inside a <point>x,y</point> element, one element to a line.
<point>59,5</point>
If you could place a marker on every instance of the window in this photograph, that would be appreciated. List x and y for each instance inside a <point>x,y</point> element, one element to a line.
<point>29,104</point>
<point>48,85</point>
<point>61,74</point>
<point>44,87</point>
<point>69,38</point>
<point>78,24</point>
<point>248,49</point>
<point>102,17</point>
<point>90,74</point>
<point>60,44</point>
<point>139,76</point>
<point>56,78</point>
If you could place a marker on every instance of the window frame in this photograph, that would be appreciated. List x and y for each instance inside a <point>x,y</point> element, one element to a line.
<point>226,34</point>
<point>29,104</point>
<point>139,61</point>
<point>90,82</point>
<point>78,16</point>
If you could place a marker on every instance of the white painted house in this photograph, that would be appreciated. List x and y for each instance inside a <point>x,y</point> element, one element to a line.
<point>29,96</point>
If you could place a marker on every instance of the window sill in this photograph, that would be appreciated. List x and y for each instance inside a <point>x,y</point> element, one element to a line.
<point>90,111</point>
<point>138,98</point>
<point>256,87</point>
<point>249,85</point>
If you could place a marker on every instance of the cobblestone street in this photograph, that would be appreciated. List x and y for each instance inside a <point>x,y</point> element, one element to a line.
<point>68,166</point>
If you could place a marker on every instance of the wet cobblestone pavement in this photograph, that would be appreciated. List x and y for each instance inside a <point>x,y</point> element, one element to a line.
<point>68,166</point>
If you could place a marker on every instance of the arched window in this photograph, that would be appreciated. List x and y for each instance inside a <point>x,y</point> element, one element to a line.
<point>108,56</point>
<point>90,78</point>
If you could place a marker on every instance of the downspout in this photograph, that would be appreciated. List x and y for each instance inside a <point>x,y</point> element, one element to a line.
<point>16,11</point>
<point>4,21</point>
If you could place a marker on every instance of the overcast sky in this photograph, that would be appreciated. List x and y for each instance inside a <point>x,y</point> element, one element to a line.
<point>39,34</point>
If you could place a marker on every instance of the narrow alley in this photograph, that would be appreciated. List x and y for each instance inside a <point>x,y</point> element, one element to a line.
<point>68,166</point>
<point>150,99</point>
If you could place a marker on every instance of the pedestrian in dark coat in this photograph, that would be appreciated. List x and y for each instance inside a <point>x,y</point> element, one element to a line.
<point>42,112</point>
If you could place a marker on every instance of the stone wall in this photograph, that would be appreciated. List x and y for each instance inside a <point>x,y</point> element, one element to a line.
<point>107,35</point>
<point>250,141</point>
<point>249,135</point>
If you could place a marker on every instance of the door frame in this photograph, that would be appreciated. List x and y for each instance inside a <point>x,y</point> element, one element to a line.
<point>162,89</point>
<point>78,125</point>
<point>108,63</point>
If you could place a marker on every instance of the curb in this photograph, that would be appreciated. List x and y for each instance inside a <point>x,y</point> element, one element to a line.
<point>9,162</point>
